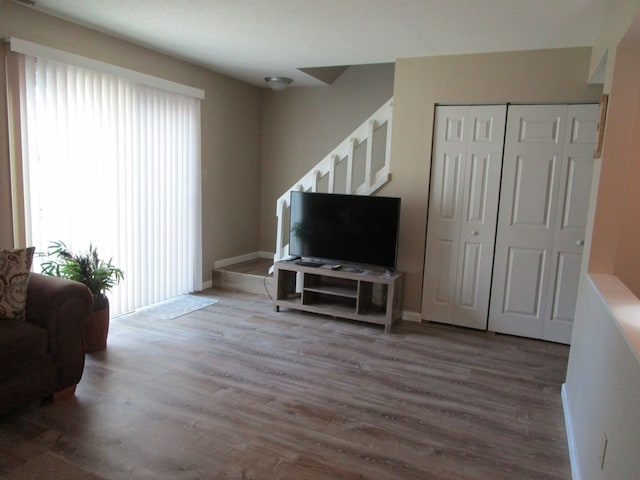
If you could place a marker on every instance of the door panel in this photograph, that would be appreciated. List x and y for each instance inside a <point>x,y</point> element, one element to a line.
<point>540,128</point>
<point>545,192</point>
<point>454,126</point>
<point>445,218</point>
<point>462,213</point>
<point>444,277</point>
<point>570,229</point>
<point>533,191</point>
<point>449,185</point>
<point>470,273</point>
<point>566,286</point>
<point>444,213</point>
<point>577,192</point>
<point>477,199</point>
<point>524,276</point>
<point>528,211</point>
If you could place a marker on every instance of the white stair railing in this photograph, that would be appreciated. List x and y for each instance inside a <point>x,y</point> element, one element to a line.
<point>342,169</point>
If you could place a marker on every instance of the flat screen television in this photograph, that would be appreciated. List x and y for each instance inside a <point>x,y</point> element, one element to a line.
<point>353,229</point>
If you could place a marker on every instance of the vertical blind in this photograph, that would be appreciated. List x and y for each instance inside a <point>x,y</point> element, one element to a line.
<point>116,164</point>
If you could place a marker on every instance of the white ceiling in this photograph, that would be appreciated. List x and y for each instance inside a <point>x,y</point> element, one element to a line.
<point>251,39</point>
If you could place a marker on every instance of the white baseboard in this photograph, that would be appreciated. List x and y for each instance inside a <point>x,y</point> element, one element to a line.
<point>208,284</point>
<point>225,262</point>
<point>575,469</point>
<point>411,316</point>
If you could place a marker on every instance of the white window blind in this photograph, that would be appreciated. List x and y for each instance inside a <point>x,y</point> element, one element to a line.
<point>115,163</point>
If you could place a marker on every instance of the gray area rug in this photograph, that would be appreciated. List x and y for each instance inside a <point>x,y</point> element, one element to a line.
<point>178,306</point>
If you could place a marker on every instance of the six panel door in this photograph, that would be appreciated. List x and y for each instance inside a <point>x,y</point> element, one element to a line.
<point>465,180</point>
<point>571,221</point>
<point>547,170</point>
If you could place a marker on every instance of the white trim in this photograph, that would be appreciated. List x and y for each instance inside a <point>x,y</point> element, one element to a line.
<point>411,316</point>
<point>575,467</point>
<point>225,262</point>
<point>207,285</point>
<point>35,50</point>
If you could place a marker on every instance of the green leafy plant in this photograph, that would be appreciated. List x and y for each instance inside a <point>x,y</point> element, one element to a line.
<point>84,267</point>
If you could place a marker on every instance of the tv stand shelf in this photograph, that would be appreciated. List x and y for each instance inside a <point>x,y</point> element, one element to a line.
<point>367,296</point>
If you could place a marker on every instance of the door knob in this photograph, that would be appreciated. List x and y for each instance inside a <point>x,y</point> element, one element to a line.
<point>580,242</point>
<point>475,233</point>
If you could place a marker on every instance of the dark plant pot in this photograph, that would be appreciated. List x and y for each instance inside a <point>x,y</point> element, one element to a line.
<point>95,327</point>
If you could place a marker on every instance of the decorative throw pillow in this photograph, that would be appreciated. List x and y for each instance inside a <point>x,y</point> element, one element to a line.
<point>15,268</point>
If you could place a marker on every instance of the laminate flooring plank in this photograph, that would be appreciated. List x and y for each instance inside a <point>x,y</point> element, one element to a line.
<point>238,391</point>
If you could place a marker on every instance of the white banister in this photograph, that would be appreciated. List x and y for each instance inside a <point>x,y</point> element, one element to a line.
<point>368,167</point>
<point>350,156</point>
<point>332,173</point>
<point>373,179</point>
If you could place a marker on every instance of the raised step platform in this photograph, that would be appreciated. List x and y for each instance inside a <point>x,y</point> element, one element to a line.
<point>251,276</point>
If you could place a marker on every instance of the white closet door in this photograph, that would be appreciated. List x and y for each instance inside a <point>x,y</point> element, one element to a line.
<point>571,221</point>
<point>546,181</point>
<point>465,179</point>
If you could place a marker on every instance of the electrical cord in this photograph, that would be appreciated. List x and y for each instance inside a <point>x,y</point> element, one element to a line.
<point>265,287</point>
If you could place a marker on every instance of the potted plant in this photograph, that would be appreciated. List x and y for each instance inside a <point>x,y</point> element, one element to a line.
<point>99,276</point>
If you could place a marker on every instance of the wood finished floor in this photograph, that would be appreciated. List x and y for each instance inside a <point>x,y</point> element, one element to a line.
<point>237,391</point>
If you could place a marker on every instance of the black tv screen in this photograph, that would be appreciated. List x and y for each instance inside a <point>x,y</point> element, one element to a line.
<point>344,228</point>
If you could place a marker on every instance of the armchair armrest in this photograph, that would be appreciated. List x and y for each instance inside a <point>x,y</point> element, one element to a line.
<point>60,305</point>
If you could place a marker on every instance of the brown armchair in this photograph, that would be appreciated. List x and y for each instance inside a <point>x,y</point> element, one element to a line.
<point>43,356</point>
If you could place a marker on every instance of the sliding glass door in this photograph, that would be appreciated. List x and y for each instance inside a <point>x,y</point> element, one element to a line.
<point>117,164</point>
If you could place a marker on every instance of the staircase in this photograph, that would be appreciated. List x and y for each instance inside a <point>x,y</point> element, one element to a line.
<point>359,165</point>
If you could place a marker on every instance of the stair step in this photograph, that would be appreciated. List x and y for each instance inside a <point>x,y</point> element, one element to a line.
<point>250,277</point>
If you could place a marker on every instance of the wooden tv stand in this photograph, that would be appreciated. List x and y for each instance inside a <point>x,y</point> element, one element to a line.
<point>364,295</point>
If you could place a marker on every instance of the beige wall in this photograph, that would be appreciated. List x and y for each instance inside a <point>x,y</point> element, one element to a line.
<point>614,26</point>
<point>230,129</point>
<point>627,266</point>
<point>300,126</point>
<point>616,227</point>
<point>420,83</point>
